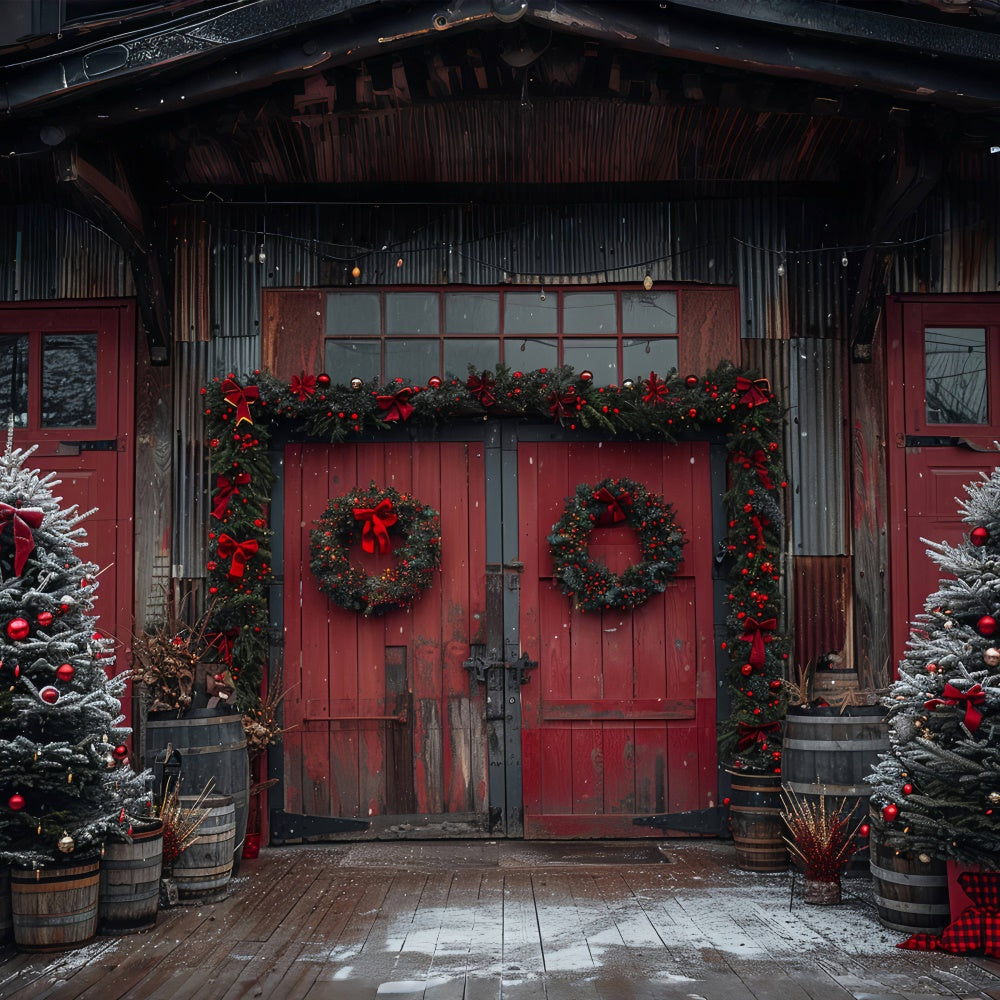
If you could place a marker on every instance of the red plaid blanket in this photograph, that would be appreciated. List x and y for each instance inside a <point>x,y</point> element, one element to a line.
<point>976,929</point>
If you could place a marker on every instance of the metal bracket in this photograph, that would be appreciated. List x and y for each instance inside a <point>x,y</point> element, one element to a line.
<point>521,666</point>
<point>478,665</point>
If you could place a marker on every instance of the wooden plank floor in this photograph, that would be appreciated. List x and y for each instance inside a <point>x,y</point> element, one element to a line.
<point>506,921</point>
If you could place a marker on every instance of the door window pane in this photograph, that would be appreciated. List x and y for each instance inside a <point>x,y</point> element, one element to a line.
<point>353,314</point>
<point>594,354</point>
<point>640,357</point>
<point>414,361</point>
<point>14,379</point>
<point>589,312</point>
<point>412,312</point>
<point>955,360</point>
<point>527,312</point>
<point>525,354</point>
<point>69,381</point>
<point>347,359</point>
<point>472,312</point>
<point>482,353</point>
<point>649,312</point>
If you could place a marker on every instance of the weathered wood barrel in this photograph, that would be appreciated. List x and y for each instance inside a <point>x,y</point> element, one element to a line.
<point>129,897</point>
<point>6,916</point>
<point>203,870</point>
<point>55,909</point>
<point>830,752</point>
<point>755,821</point>
<point>211,744</point>
<point>911,895</point>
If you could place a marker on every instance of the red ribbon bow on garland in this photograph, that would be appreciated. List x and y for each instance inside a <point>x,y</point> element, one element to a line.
<point>754,391</point>
<point>561,405</point>
<point>756,461</point>
<point>481,388</point>
<point>303,386</point>
<point>23,519</point>
<point>953,696</point>
<point>377,522</point>
<point>240,397</point>
<point>224,642</point>
<point>397,406</point>
<point>753,632</point>
<point>752,733</point>
<point>224,489</point>
<point>976,928</point>
<point>239,552</point>
<point>656,390</point>
<point>616,505</point>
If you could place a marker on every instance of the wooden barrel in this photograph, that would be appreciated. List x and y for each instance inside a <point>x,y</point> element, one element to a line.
<point>203,870</point>
<point>755,821</point>
<point>829,752</point>
<point>6,916</point>
<point>910,895</point>
<point>55,909</point>
<point>129,897</point>
<point>211,744</point>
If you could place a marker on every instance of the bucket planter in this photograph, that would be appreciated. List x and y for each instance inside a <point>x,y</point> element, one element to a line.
<point>211,744</point>
<point>820,893</point>
<point>202,872</point>
<point>829,751</point>
<point>55,908</point>
<point>911,891</point>
<point>129,897</point>
<point>755,821</point>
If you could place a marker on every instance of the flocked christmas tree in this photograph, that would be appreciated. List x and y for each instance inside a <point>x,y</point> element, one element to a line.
<point>937,792</point>
<point>65,783</point>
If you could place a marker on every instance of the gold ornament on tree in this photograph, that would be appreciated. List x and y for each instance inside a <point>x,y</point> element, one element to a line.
<point>66,843</point>
<point>992,656</point>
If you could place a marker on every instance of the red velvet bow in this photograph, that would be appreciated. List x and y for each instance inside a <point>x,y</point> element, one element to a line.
<point>616,505</point>
<point>240,397</point>
<point>758,530</point>
<point>239,552</point>
<point>753,632</point>
<point>656,390</point>
<point>23,519</point>
<point>749,734</point>
<point>224,489</point>
<point>397,406</point>
<point>756,461</point>
<point>224,642</point>
<point>377,522</point>
<point>953,696</point>
<point>754,391</point>
<point>561,405</point>
<point>481,387</point>
<point>303,385</point>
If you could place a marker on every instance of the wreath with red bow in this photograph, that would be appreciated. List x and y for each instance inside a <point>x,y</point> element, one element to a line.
<point>384,521</point>
<point>589,582</point>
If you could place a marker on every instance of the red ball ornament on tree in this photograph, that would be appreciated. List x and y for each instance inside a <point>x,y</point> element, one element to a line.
<point>120,752</point>
<point>323,379</point>
<point>434,381</point>
<point>49,695</point>
<point>746,669</point>
<point>979,536</point>
<point>16,801</point>
<point>987,625</point>
<point>45,618</point>
<point>890,812</point>
<point>775,685</point>
<point>65,672</point>
<point>864,829</point>
<point>691,381</point>
<point>18,629</point>
<point>907,789</point>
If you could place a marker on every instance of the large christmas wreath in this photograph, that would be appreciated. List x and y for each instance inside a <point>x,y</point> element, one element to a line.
<point>376,516</point>
<point>589,582</point>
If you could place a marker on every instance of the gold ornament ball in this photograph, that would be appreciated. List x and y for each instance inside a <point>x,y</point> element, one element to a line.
<point>356,383</point>
<point>949,624</point>
<point>993,798</point>
<point>66,843</point>
<point>992,656</point>
<point>924,859</point>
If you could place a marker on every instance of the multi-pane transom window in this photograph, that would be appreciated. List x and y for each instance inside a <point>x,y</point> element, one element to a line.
<point>616,333</point>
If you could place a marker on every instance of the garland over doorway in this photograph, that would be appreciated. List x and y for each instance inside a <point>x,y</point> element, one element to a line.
<point>241,414</point>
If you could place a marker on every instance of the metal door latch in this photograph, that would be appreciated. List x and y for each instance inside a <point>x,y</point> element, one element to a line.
<point>478,664</point>
<point>521,666</point>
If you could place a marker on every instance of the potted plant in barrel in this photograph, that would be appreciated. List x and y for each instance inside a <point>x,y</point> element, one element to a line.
<point>64,780</point>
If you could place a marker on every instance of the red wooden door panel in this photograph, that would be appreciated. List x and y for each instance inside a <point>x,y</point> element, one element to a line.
<point>619,716</point>
<point>383,726</point>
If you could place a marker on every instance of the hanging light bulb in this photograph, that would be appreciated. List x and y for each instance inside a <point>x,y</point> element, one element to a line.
<point>843,260</point>
<point>261,255</point>
<point>355,271</point>
<point>647,282</point>
<point>781,269</point>
<point>399,262</point>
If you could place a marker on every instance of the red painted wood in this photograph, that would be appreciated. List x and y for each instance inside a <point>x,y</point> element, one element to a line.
<point>618,709</point>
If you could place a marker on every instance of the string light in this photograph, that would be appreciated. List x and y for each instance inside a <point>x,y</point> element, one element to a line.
<point>781,269</point>
<point>647,282</point>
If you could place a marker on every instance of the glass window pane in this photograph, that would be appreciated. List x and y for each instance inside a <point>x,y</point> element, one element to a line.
<point>596,355</point>
<point>525,354</point>
<point>526,312</point>
<point>69,381</point>
<point>460,352</point>
<point>347,359</point>
<point>352,314</point>
<point>412,312</point>
<point>14,379</point>
<point>649,312</point>
<point>956,375</point>
<point>414,361</point>
<point>640,357</point>
<point>589,312</point>
<point>472,312</point>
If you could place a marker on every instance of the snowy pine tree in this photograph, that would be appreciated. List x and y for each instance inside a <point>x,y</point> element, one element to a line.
<point>937,792</point>
<point>64,783</point>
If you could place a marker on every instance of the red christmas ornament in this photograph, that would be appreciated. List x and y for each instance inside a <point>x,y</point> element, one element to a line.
<point>746,669</point>
<point>16,801</point>
<point>434,381</point>
<point>49,695</point>
<point>45,618</point>
<point>120,752</point>
<point>586,376</point>
<point>987,625</point>
<point>890,812</point>
<point>323,379</point>
<point>932,668</point>
<point>775,685</point>
<point>979,536</point>
<point>864,829</point>
<point>907,789</point>
<point>18,628</point>
<point>691,380</point>
<point>65,672</point>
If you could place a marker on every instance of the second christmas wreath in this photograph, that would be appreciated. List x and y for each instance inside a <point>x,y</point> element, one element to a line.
<point>376,515</point>
<point>589,582</point>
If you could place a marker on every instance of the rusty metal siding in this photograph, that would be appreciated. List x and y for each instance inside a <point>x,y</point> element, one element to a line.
<point>190,461</point>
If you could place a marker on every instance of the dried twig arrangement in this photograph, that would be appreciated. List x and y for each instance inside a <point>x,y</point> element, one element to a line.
<point>822,839</point>
<point>181,823</point>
